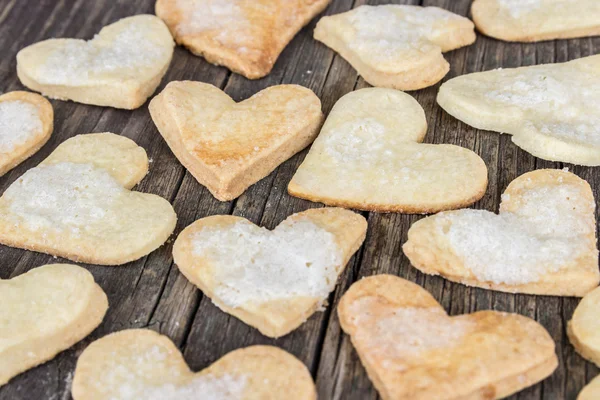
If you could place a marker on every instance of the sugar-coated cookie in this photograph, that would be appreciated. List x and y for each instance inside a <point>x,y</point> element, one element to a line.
<point>26,123</point>
<point>413,350</point>
<point>43,312</point>
<point>228,146</point>
<point>120,67</point>
<point>551,110</point>
<point>369,156</point>
<point>271,280</point>
<point>77,204</point>
<point>543,241</point>
<point>535,20</point>
<point>396,46</point>
<point>142,364</point>
<point>591,391</point>
<point>584,327</point>
<point>245,36</point>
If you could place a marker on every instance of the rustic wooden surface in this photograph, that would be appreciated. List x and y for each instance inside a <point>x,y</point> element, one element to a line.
<point>152,293</point>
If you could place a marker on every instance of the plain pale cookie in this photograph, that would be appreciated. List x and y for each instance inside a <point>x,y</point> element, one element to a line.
<point>591,391</point>
<point>43,312</point>
<point>77,204</point>
<point>535,20</point>
<point>551,110</point>
<point>271,280</point>
<point>584,327</point>
<point>369,156</point>
<point>543,241</point>
<point>228,146</point>
<point>120,67</point>
<point>396,46</point>
<point>413,350</point>
<point>142,364</point>
<point>245,36</point>
<point>26,123</point>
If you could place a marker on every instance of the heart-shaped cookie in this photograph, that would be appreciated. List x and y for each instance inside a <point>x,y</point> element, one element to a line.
<point>245,36</point>
<point>551,110</point>
<point>368,157</point>
<point>228,146</point>
<point>591,391</point>
<point>534,20</point>
<point>120,67</point>
<point>46,311</point>
<point>141,364</point>
<point>542,242</point>
<point>413,350</point>
<point>271,280</point>
<point>396,46</point>
<point>26,123</point>
<point>77,204</point>
<point>584,327</point>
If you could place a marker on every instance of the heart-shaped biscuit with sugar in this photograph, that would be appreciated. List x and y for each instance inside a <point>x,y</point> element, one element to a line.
<point>413,350</point>
<point>43,312</point>
<point>584,327</point>
<point>369,156</point>
<point>228,146</point>
<point>550,110</point>
<point>543,241</point>
<point>396,46</point>
<point>535,20</point>
<point>142,364</point>
<point>77,204</point>
<point>245,36</point>
<point>271,280</point>
<point>26,123</point>
<point>120,67</point>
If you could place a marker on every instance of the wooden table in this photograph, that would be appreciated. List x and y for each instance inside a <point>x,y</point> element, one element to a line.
<point>152,293</point>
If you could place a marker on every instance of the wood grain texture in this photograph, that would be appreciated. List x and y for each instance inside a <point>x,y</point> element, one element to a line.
<point>152,293</point>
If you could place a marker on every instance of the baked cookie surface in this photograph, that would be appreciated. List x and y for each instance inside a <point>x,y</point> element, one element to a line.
<point>229,146</point>
<point>535,20</point>
<point>245,36</point>
<point>77,204</point>
<point>413,350</point>
<point>550,110</point>
<point>26,123</point>
<point>120,67</point>
<point>584,328</point>
<point>591,391</point>
<point>368,156</point>
<point>543,241</point>
<point>46,311</point>
<point>142,364</point>
<point>272,280</point>
<point>396,46</point>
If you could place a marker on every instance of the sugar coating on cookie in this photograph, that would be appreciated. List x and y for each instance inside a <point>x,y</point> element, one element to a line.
<point>297,259</point>
<point>549,109</point>
<point>63,196</point>
<point>19,122</point>
<point>396,334</point>
<point>227,16</point>
<point>396,46</point>
<point>518,8</point>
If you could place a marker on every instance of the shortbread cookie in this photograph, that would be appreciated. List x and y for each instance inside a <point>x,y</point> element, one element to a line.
<point>77,204</point>
<point>228,146</point>
<point>413,350</point>
<point>551,110</point>
<point>43,312</point>
<point>542,242</point>
<point>584,327</point>
<point>271,280</point>
<point>26,123</point>
<point>534,20</point>
<point>396,46</point>
<point>245,36</point>
<point>120,67</point>
<point>591,391</point>
<point>142,364</point>
<point>369,156</point>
